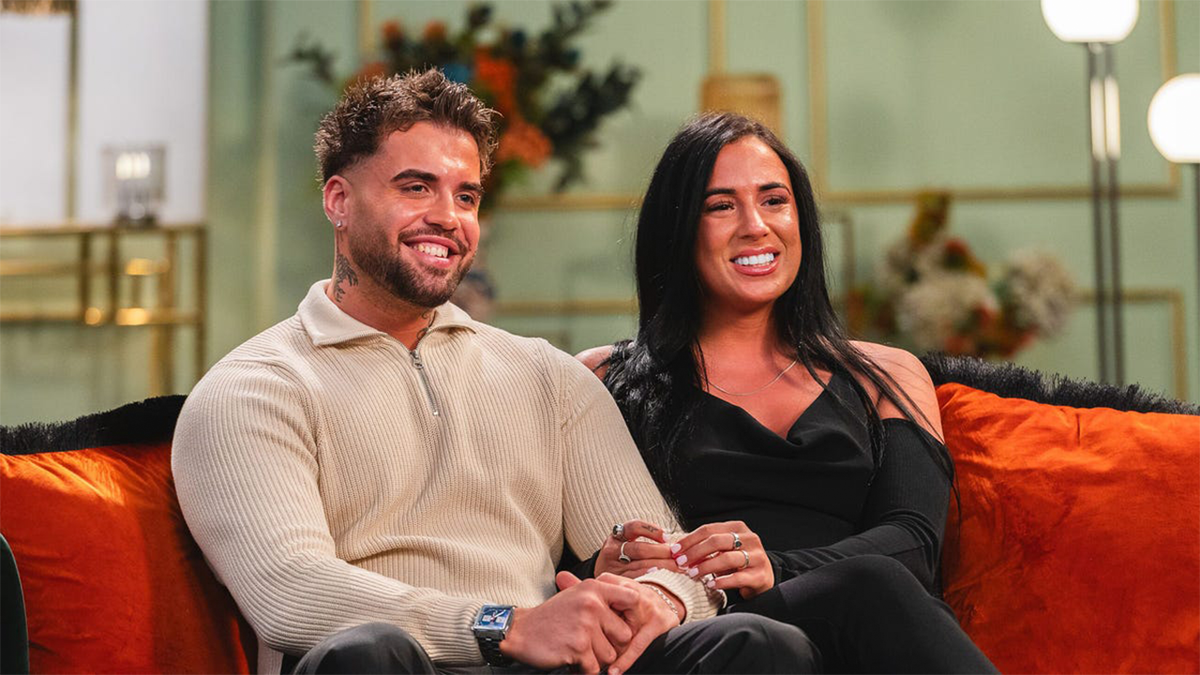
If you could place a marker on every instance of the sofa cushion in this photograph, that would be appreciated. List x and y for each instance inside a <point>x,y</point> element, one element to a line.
<point>1078,545</point>
<point>113,581</point>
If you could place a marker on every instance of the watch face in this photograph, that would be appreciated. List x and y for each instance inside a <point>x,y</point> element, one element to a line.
<point>494,618</point>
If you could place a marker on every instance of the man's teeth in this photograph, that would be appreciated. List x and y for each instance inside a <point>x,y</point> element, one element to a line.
<point>433,249</point>
<point>760,259</point>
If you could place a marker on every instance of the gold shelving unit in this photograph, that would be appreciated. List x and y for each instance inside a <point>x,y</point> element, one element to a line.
<point>116,289</point>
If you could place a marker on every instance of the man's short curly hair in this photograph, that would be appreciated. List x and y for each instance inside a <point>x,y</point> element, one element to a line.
<point>373,109</point>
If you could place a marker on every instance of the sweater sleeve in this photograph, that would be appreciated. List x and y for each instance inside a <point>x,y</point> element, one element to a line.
<point>605,482</point>
<point>904,516</point>
<point>246,472</point>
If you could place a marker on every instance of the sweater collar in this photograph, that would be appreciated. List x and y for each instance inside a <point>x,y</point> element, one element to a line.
<point>326,324</point>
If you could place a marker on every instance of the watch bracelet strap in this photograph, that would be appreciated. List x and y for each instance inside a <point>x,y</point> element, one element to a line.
<point>490,648</point>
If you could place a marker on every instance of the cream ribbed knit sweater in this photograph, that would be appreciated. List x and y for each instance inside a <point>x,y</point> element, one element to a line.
<point>325,491</point>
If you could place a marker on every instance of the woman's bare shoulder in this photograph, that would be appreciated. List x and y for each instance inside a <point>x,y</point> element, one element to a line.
<point>595,359</point>
<point>892,359</point>
<point>910,378</point>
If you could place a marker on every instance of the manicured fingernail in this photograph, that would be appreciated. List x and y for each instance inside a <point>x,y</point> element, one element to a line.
<point>675,548</point>
<point>693,572</point>
<point>681,560</point>
<point>652,569</point>
<point>711,583</point>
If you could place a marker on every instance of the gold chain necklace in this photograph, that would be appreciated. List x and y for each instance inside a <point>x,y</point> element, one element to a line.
<point>778,377</point>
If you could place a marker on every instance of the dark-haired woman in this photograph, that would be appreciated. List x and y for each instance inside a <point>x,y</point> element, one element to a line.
<point>808,466</point>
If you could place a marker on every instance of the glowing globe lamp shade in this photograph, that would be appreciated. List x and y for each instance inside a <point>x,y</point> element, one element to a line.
<point>1105,21</point>
<point>1174,119</point>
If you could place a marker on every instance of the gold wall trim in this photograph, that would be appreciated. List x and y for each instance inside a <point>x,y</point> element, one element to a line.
<point>200,345</point>
<point>1166,54</point>
<point>818,104</point>
<point>819,131</point>
<point>1167,58</point>
<point>266,178</point>
<point>71,195</point>
<point>72,228</point>
<point>1173,298</point>
<point>717,32</point>
<point>201,274</point>
<point>71,8</point>
<point>828,196</point>
<point>37,7</point>
<point>571,202</point>
<point>365,11</point>
<point>123,318</point>
<point>539,308</point>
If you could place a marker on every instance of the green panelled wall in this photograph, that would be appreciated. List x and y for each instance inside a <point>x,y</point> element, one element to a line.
<point>974,94</point>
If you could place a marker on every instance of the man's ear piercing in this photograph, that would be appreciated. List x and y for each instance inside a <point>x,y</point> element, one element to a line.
<point>338,225</point>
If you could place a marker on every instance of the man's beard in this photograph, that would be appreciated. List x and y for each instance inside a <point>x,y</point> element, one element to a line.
<point>403,279</point>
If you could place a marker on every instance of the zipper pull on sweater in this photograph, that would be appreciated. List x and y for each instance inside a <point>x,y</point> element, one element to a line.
<point>416,357</point>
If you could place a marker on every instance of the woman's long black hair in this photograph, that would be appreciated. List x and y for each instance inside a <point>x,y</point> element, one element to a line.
<point>658,377</point>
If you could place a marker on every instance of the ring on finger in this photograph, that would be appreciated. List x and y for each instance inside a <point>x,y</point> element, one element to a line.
<point>618,532</point>
<point>737,541</point>
<point>623,557</point>
<point>747,563</point>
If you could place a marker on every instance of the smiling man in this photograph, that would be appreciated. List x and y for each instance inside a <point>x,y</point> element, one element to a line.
<point>385,485</point>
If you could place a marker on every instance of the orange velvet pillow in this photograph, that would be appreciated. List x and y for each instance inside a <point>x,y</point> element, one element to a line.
<point>1079,545</point>
<point>113,581</point>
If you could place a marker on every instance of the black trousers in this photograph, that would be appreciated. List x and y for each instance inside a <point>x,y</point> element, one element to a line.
<point>14,634</point>
<point>743,643</point>
<point>869,614</point>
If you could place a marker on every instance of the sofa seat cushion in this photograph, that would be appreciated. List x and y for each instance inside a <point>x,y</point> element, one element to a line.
<point>1078,546</point>
<point>113,581</point>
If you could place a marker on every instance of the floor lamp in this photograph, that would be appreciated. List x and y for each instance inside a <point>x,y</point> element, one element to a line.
<point>1174,121</point>
<point>1098,25</point>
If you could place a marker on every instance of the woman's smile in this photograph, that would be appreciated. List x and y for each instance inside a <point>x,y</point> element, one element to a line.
<point>756,262</point>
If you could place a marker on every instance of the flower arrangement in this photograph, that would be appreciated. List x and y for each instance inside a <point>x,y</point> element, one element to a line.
<point>932,293</point>
<point>527,78</point>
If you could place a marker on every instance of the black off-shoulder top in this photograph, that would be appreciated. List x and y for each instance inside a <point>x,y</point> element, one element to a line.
<point>815,495</point>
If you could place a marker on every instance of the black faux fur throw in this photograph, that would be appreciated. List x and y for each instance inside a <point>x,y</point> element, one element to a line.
<point>1012,381</point>
<point>153,420</point>
<point>149,421</point>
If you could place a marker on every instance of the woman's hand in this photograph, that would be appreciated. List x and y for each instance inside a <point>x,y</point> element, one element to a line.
<point>731,553</point>
<point>640,555</point>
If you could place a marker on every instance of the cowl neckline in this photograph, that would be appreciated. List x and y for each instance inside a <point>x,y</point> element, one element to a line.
<point>816,404</point>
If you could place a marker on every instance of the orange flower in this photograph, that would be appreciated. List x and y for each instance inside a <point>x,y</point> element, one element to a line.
<point>960,344</point>
<point>435,31</point>
<point>956,255</point>
<point>368,71</point>
<point>392,32</point>
<point>525,143</point>
<point>985,317</point>
<point>498,76</point>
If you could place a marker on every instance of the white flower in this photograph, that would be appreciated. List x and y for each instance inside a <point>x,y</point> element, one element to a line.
<point>894,269</point>
<point>937,307</point>
<point>930,259</point>
<point>902,266</point>
<point>1038,290</point>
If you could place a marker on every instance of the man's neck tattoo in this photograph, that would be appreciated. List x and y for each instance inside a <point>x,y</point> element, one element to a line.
<point>423,331</point>
<point>342,271</point>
